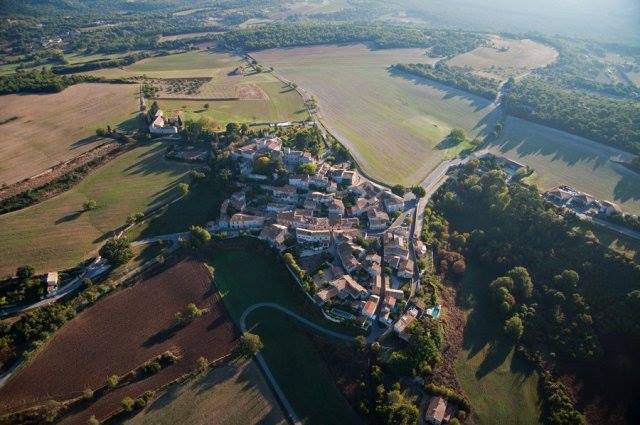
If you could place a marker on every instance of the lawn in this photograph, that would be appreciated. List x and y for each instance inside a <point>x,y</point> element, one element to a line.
<point>561,158</point>
<point>55,234</point>
<point>502,388</point>
<point>393,124</point>
<point>289,352</point>
<point>234,393</point>
<point>40,130</point>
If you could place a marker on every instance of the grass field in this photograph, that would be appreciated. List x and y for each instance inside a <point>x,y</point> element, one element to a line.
<point>230,394</point>
<point>290,354</point>
<point>561,158</point>
<point>393,124</point>
<point>506,58</point>
<point>55,234</point>
<point>278,105</point>
<point>501,388</point>
<point>41,130</point>
<point>145,314</point>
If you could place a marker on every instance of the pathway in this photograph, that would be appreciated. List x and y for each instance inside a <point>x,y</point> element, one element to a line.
<point>263,364</point>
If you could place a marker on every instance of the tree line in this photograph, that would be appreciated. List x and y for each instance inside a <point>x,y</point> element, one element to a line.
<point>41,81</point>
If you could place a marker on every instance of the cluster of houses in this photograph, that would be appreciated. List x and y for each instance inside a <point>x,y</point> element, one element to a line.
<point>570,198</point>
<point>327,213</point>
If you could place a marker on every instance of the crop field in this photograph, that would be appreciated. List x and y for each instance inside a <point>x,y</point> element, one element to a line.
<point>262,98</point>
<point>506,58</point>
<point>289,352</point>
<point>120,333</point>
<point>393,124</point>
<point>234,393</point>
<point>56,234</point>
<point>561,158</point>
<point>501,387</point>
<point>41,130</point>
<point>184,36</point>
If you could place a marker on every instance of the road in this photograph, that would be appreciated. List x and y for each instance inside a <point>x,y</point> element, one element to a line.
<point>611,226</point>
<point>293,417</point>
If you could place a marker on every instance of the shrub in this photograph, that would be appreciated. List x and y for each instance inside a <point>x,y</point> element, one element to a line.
<point>249,345</point>
<point>127,404</point>
<point>91,204</point>
<point>112,381</point>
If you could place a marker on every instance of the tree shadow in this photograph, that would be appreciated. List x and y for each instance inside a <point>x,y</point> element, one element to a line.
<point>83,142</point>
<point>447,143</point>
<point>162,336</point>
<point>69,217</point>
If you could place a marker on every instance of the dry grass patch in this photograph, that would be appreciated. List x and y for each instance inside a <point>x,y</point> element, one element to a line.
<point>506,58</point>
<point>41,130</point>
<point>229,394</point>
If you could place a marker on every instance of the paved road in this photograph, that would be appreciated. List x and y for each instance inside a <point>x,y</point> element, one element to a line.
<point>274,383</point>
<point>611,226</point>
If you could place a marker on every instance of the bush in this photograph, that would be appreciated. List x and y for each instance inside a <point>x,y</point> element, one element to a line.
<point>514,327</point>
<point>112,381</point>
<point>249,345</point>
<point>91,204</point>
<point>127,404</point>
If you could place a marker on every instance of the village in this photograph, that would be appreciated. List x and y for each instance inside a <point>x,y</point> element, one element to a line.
<point>358,260</point>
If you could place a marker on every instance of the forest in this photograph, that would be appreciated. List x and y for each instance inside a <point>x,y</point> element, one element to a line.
<point>562,293</point>
<point>41,81</point>
<point>440,42</point>
<point>456,77</point>
<point>615,122</point>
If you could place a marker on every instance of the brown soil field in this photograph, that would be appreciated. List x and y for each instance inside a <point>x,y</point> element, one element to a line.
<point>250,92</point>
<point>506,58</point>
<point>120,333</point>
<point>41,130</point>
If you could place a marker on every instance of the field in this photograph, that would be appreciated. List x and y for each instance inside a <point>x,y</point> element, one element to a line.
<point>42,130</point>
<point>262,97</point>
<point>55,234</point>
<point>185,35</point>
<point>561,158</point>
<point>120,333</point>
<point>393,124</point>
<point>506,58</point>
<point>231,393</point>
<point>501,388</point>
<point>289,352</point>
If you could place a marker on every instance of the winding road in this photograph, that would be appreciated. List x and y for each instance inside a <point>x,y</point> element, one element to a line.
<point>293,417</point>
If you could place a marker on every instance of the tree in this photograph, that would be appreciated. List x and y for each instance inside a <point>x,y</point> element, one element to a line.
<point>459,267</point>
<point>91,204</point>
<point>127,404</point>
<point>457,136</point>
<point>522,284</point>
<point>112,381</point>
<point>308,168</point>
<point>183,188</point>
<point>101,132</point>
<point>117,251</point>
<point>190,313</point>
<point>198,236</point>
<point>23,273</point>
<point>399,410</point>
<point>201,131</point>
<point>232,127</point>
<point>418,191</point>
<point>249,345</point>
<point>202,364</point>
<point>262,165</point>
<point>93,420</point>
<point>514,327</point>
<point>206,106</point>
<point>361,342</point>
<point>398,190</point>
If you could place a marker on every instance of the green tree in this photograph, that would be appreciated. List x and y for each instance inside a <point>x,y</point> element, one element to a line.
<point>308,168</point>
<point>399,190</point>
<point>514,327</point>
<point>457,136</point>
<point>183,188</point>
<point>522,283</point>
<point>112,381</point>
<point>89,205</point>
<point>399,409</point>
<point>127,404</point>
<point>117,251</point>
<point>418,191</point>
<point>23,273</point>
<point>262,165</point>
<point>188,314</point>
<point>249,345</point>
<point>101,132</point>
<point>93,421</point>
<point>198,237</point>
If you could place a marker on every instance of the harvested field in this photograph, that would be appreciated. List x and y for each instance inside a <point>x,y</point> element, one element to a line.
<point>561,158</point>
<point>233,393</point>
<point>121,332</point>
<point>43,130</point>
<point>506,58</point>
<point>250,92</point>
<point>56,234</point>
<point>185,36</point>
<point>393,124</point>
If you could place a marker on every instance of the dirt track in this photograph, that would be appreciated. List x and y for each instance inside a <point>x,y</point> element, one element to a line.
<point>122,332</point>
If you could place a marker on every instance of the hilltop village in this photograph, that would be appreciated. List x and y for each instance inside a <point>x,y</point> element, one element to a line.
<point>345,238</point>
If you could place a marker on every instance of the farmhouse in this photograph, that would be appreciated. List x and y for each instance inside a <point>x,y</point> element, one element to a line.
<point>51,280</point>
<point>436,409</point>
<point>161,126</point>
<point>274,235</point>
<point>609,208</point>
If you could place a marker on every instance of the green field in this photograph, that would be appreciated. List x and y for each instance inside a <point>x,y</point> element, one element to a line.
<point>501,388</point>
<point>228,394</point>
<point>394,125</point>
<point>246,277</point>
<point>561,158</point>
<point>56,234</point>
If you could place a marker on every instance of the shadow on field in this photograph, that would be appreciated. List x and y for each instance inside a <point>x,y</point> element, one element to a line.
<point>83,142</point>
<point>477,102</point>
<point>69,217</point>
